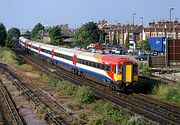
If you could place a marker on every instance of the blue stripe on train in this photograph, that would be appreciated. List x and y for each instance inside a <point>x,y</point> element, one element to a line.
<point>79,69</point>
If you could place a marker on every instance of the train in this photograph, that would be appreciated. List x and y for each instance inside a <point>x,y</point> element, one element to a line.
<point>117,72</point>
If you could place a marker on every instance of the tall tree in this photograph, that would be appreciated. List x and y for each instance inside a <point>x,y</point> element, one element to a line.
<point>127,41</point>
<point>3,34</point>
<point>37,31</point>
<point>102,37</point>
<point>13,35</point>
<point>86,34</point>
<point>114,39</point>
<point>55,35</point>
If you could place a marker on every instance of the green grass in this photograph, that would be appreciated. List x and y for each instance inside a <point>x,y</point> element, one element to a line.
<point>137,120</point>
<point>97,120</point>
<point>168,92</point>
<point>118,115</point>
<point>8,56</point>
<point>84,95</point>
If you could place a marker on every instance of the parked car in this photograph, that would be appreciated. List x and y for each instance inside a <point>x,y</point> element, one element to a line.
<point>100,51</point>
<point>92,50</point>
<point>116,50</point>
<point>141,57</point>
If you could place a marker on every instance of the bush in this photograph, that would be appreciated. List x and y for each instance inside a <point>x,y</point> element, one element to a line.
<point>145,70</point>
<point>173,94</point>
<point>169,92</point>
<point>66,88</point>
<point>119,116</point>
<point>52,81</point>
<point>136,120</point>
<point>97,120</point>
<point>111,111</point>
<point>84,95</point>
<point>160,89</point>
<point>140,65</point>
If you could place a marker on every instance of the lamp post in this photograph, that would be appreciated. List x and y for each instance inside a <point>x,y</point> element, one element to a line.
<point>133,18</point>
<point>142,20</point>
<point>142,28</point>
<point>170,12</point>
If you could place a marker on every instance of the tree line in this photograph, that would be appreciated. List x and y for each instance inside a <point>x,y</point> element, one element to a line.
<point>9,38</point>
<point>83,36</point>
<point>86,34</point>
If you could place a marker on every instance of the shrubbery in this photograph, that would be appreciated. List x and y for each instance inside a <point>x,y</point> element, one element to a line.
<point>169,92</point>
<point>144,69</point>
<point>136,120</point>
<point>173,94</point>
<point>96,120</point>
<point>84,95</point>
<point>119,116</point>
<point>110,110</point>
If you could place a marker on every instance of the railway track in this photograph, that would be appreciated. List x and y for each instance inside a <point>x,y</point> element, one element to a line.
<point>13,112</point>
<point>39,98</point>
<point>152,109</point>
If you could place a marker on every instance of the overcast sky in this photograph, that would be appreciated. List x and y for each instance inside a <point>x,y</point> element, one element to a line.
<point>27,13</point>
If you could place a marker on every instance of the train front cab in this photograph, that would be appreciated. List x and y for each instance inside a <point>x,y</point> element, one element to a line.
<point>126,74</point>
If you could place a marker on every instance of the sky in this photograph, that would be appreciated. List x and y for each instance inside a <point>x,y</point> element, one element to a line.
<point>25,14</point>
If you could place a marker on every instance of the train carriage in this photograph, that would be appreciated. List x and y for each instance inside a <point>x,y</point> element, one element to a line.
<point>118,72</point>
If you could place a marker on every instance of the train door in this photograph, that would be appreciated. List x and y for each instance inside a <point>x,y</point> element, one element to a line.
<point>128,72</point>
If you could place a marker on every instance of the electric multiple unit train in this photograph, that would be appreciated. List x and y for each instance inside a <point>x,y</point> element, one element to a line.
<point>118,72</point>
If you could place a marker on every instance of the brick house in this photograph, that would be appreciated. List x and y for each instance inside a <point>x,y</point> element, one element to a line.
<point>163,29</point>
<point>120,32</point>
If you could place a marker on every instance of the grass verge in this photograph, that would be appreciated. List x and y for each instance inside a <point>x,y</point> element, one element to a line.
<point>8,56</point>
<point>168,92</point>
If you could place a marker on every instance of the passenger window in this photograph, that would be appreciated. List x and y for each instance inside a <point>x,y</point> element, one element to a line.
<point>108,68</point>
<point>103,67</point>
<point>98,65</point>
<point>118,69</point>
<point>88,63</point>
<point>94,64</point>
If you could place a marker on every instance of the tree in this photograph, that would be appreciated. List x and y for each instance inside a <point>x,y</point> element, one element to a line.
<point>13,35</point>
<point>144,44</point>
<point>114,39</point>
<point>127,41</point>
<point>102,37</point>
<point>55,35</point>
<point>86,34</point>
<point>37,31</point>
<point>27,35</point>
<point>3,34</point>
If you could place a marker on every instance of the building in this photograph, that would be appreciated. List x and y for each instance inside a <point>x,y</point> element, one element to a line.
<point>66,35</point>
<point>163,29</point>
<point>120,32</point>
